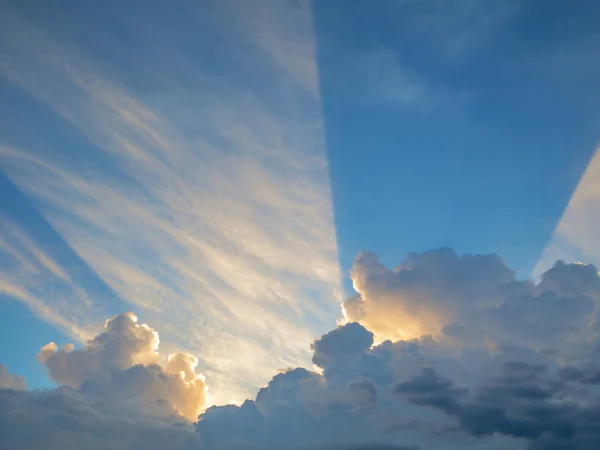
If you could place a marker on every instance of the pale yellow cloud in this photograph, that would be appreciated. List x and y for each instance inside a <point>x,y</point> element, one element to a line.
<point>123,362</point>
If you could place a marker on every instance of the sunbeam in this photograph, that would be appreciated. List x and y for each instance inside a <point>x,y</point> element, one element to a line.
<point>576,235</point>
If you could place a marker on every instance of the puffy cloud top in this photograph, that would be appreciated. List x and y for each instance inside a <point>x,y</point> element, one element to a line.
<point>425,292</point>
<point>470,298</point>
<point>123,344</point>
<point>122,362</point>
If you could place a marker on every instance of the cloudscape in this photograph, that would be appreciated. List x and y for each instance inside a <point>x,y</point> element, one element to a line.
<point>299,225</point>
<point>494,362</point>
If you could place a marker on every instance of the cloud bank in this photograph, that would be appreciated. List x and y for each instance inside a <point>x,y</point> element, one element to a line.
<point>493,362</point>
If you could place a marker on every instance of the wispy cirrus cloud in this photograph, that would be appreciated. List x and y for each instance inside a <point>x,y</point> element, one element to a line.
<point>31,275</point>
<point>206,203</point>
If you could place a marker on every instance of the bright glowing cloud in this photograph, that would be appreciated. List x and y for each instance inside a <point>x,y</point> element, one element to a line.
<point>424,293</point>
<point>206,209</point>
<point>123,362</point>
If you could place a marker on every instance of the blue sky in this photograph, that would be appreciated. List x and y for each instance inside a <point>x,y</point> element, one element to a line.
<point>485,147</point>
<point>208,166</point>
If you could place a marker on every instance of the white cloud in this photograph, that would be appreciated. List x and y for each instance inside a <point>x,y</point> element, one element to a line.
<point>123,362</point>
<point>203,207</point>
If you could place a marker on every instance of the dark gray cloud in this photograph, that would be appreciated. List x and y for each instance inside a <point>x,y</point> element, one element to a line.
<point>524,402</point>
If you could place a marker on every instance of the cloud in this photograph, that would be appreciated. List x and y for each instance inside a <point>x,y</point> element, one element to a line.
<point>524,402</point>
<point>123,362</point>
<point>425,292</point>
<point>64,419</point>
<point>574,238</point>
<point>204,204</point>
<point>472,297</point>
<point>31,275</point>
<point>116,393</point>
<point>11,381</point>
<point>512,365</point>
<point>454,29</point>
<point>288,38</point>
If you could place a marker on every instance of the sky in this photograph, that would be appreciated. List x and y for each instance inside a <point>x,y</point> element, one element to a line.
<point>314,224</point>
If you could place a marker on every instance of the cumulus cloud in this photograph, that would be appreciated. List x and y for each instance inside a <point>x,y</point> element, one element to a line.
<point>470,297</point>
<point>115,394</point>
<point>11,381</point>
<point>425,292</point>
<point>507,364</point>
<point>123,363</point>
<point>477,359</point>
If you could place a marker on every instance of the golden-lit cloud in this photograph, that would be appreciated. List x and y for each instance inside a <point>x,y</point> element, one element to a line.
<point>423,294</point>
<point>122,362</point>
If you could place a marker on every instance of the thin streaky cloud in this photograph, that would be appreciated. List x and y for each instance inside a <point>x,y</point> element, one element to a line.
<point>32,276</point>
<point>288,39</point>
<point>215,219</point>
